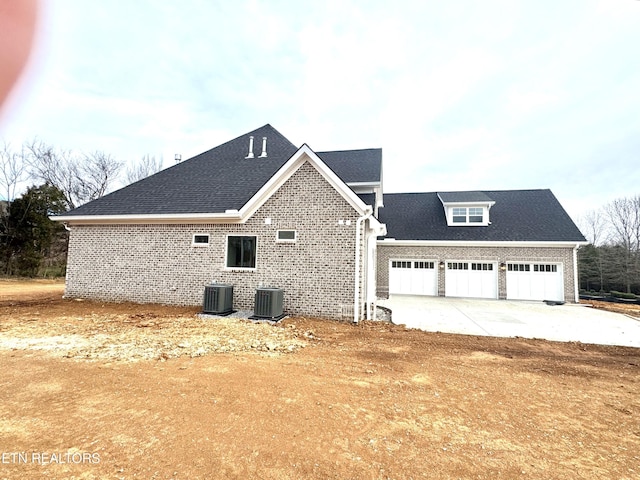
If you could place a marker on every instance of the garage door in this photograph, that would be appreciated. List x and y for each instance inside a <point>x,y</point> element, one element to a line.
<point>535,281</point>
<point>413,277</point>
<point>471,279</point>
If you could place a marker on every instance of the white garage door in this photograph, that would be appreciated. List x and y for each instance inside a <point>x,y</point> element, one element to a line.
<point>471,279</point>
<point>413,277</point>
<point>535,281</point>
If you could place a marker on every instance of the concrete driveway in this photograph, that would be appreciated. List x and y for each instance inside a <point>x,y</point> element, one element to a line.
<point>505,318</point>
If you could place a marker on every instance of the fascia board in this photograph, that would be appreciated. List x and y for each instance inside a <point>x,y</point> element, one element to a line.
<point>292,165</point>
<point>460,243</point>
<point>197,218</point>
<point>470,204</point>
<point>363,184</point>
<point>489,203</point>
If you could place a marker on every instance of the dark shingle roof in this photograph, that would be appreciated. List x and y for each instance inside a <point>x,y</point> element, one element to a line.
<point>368,198</point>
<point>214,181</point>
<point>518,215</point>
<point>454,197</point>
<point>355,166</point>
<point>222,178</point>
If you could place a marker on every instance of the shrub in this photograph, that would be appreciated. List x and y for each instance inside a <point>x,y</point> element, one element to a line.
<point>629,296</point>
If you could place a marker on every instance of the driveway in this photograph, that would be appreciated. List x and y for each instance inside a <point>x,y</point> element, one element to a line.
<point>505,318</point>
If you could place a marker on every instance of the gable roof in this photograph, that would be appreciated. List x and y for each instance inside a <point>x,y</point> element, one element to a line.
<point>355,166</point>
<point>517,216</point>
<point>222,179</point>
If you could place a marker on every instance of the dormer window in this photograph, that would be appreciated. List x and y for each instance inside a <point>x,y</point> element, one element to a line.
<point>467,215</point>
<point>474,213</point>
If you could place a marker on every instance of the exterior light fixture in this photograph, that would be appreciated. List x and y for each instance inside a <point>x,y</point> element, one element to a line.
<point>441,264</point>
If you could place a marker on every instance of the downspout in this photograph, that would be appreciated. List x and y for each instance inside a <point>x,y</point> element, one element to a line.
<point>356,301</point>
<point>576,281</point>
<point>371,275</point>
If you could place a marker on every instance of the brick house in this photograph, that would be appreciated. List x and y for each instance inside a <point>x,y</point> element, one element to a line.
<point>259,211</point>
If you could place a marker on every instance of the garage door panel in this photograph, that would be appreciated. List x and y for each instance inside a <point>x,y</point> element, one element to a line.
<point>471,279</point>
<point>535,281</point>
<point>413,277</point>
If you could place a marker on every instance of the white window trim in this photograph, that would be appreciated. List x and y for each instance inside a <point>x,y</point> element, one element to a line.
<point>193,240</point>
<point>225,268</point>
<point>467,223</point>
<point>287,240</point>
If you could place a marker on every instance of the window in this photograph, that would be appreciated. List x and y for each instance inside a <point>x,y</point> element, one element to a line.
<point>545,268</point>
<point>475,215</point>
<point>424,265</point>
<point>241,251</point>
<point>399,264</point>
<point>518,267</point>
<point>467,215</point>
<point>458,266</point>
<point>286,236</point>
<point>459,215</point>
<point>482,266</point>
<point>200,239</point>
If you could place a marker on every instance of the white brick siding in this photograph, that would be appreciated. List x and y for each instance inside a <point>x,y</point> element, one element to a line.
<point>158,264</point>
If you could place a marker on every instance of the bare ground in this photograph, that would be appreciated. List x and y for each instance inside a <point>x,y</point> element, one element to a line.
<point>92,390</point>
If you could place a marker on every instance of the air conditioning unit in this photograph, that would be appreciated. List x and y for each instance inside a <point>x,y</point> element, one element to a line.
<point>218,299</point>
<point>269,302</point>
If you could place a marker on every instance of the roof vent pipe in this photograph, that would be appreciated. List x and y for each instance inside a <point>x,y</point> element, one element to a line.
<point>264,148</point>
<point>250,148</point>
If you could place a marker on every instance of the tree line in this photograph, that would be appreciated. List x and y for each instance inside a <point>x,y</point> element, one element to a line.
<point>30,243</point>
<point>611,261</point>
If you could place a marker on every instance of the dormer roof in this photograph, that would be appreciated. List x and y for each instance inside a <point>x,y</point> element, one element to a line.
<point>465,197</point>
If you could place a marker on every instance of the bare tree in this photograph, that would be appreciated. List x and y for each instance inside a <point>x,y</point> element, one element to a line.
<point>147,166</point>
<point>623,216</point>
<point>13,170</point>
<point>594,226</point>
<point>98,170</point>
<point>591,260</point>
<point>81,178</point>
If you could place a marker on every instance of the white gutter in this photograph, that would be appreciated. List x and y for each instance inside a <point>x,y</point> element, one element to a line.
<point>356,301</point>
<point>229,216</point>
<point>477,243</point>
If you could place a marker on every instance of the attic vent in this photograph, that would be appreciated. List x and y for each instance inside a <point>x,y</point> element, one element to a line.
<point>264,148</point>
<point>250,148</point>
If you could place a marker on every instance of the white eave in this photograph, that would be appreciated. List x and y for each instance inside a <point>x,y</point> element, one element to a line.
<point>230,216</point>
<point>478,243</point>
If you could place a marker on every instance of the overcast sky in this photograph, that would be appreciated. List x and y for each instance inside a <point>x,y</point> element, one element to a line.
<point>460,95</point>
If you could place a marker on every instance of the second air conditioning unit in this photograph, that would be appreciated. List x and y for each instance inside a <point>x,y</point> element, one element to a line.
<point>269,303</point>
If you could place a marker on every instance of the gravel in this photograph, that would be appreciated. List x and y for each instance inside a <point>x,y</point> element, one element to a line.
<point>148,337</point>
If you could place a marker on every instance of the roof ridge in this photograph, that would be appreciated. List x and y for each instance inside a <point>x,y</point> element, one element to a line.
<point>351,150</point>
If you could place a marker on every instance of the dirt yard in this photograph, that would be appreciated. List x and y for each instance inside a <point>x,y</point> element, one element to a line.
<point>91,390</point>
